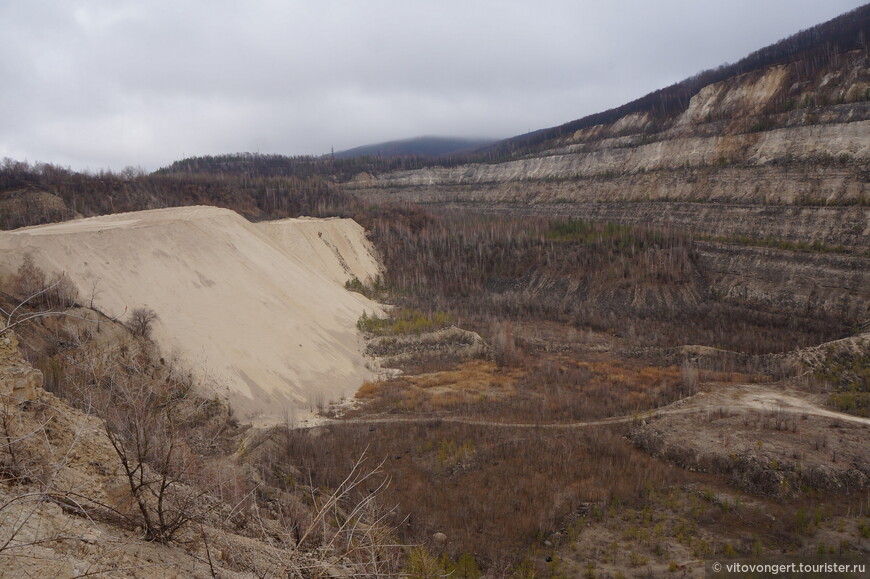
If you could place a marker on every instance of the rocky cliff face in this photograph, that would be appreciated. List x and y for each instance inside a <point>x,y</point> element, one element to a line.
<point>758,166</point>
<point>768,138</point>
<point>712,167</point>
<point>800,283</point>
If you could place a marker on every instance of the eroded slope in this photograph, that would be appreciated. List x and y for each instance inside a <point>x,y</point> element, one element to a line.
<point>257,310</point>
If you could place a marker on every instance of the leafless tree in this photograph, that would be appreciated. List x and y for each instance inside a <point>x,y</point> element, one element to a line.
<point>62,292</point>
<point>29,279</point>
<point>350,528</point>
<point>22,314</point>
<point>143,423</point>
<point>504,347</point>
<point>689,373</point>
<point>141,320</point>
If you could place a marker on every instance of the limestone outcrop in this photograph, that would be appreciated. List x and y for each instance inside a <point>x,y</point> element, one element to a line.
<point>18,379</point>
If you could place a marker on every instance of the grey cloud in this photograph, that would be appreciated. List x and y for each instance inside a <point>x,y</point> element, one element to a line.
<point>112,83</point>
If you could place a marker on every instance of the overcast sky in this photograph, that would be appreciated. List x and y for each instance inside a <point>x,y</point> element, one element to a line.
<point>109,83</point>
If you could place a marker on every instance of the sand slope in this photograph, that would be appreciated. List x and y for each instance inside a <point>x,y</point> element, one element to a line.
<point>259,309</point>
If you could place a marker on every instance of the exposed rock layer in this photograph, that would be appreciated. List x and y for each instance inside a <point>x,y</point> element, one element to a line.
<point>768,153</point>
<point>756,166</point>
<point>18,379</point>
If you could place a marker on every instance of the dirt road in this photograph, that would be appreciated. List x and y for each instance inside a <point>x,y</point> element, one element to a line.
<point>732,397</point>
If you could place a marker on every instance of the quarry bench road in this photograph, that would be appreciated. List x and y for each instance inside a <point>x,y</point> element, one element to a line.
<point>733,398</point>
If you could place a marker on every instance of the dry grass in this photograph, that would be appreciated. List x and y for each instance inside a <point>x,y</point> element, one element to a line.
<point>680,528</point>
<point>553,388</point>
<point>491,491</point>
<point>468,384</point>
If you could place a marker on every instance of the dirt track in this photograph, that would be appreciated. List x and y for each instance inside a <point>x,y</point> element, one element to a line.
<point>731,397</point>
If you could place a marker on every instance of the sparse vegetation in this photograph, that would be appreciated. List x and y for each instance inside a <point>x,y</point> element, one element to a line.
<point>172,450</point>
<point>374,290</point>
<point>637,283</point>
<point>848,375</point>
<point>404,321</point>
<point>141,321</point>
<point>486,488</point>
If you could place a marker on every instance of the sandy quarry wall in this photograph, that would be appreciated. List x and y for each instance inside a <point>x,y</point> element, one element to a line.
<point>259,311</point>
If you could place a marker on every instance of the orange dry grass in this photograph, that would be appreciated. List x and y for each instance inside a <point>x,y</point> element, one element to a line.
<point>474,376</point>
<point>731,377</point>
<point>644,379</point>
<point>559,388</point>
<point>555,389</point>
<point>369,389</point>
<point>470,382</point>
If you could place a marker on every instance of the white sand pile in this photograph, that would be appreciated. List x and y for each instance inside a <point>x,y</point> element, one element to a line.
<point>259,310</point>
<point>337,248</point>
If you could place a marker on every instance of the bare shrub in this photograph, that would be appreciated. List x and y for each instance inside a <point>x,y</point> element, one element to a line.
<point>146,415</point>
<point>504,347</point>
<point>62,292</point>
<point>141,320</point>
<point>51,300</point>
<point>143,423</point>
<point>342,531</point>
<point>22,459</point>
<point>29,280</point>
<point>689,372</point>
<point>352,521</point>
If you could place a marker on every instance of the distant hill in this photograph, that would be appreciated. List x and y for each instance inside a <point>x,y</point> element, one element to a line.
<point>418,147</point>
<point>815,48</point>
<point>401,155</point>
